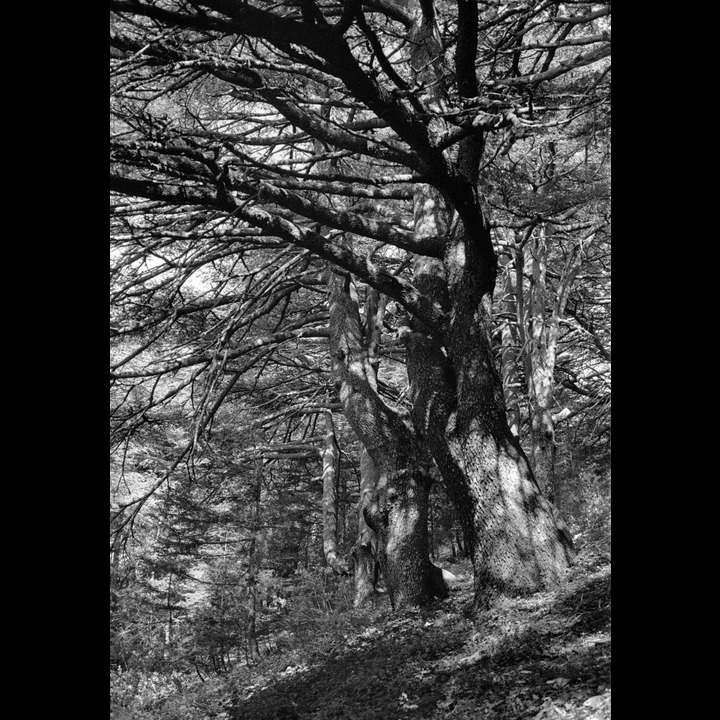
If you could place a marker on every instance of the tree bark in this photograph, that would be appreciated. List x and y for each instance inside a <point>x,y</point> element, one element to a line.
<point>517,543</point>
<point>399,516</point>
<point>365,548</point>
<point>331,473</point>
<point>510,350</point>
<point>545,311</point>
<point>398,511</point>
<point>459,409</point>
<point>542,350</point>
<point>251,643</point>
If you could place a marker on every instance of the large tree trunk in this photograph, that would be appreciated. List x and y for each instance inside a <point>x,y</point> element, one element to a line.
<point>399,516</point>
<point>517,542</point>
<point>398,511</point>
<point>510,529</point>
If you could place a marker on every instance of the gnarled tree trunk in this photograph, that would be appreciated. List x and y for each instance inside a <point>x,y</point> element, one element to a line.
<point>518,543</point>
<point>399,516</point>
<point>398,511</point>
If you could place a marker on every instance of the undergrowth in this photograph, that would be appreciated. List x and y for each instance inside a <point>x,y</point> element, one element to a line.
<point>545,657</point>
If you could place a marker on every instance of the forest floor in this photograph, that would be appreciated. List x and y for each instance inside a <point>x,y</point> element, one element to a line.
<point>545,657</point>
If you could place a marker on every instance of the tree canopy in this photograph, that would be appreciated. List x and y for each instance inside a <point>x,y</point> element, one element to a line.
<point>363,241</point>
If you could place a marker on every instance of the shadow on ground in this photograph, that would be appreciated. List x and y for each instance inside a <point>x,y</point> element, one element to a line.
<point>542,657</point>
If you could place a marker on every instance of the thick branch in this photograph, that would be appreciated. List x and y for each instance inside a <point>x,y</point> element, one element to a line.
<point>401,291</point>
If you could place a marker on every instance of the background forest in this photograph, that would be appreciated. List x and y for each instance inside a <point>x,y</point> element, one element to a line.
<point>296,192</point>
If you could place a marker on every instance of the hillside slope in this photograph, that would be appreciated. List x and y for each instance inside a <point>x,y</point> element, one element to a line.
<point>545,657</point>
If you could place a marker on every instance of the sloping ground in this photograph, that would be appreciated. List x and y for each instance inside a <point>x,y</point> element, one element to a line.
<point>546,657</point>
